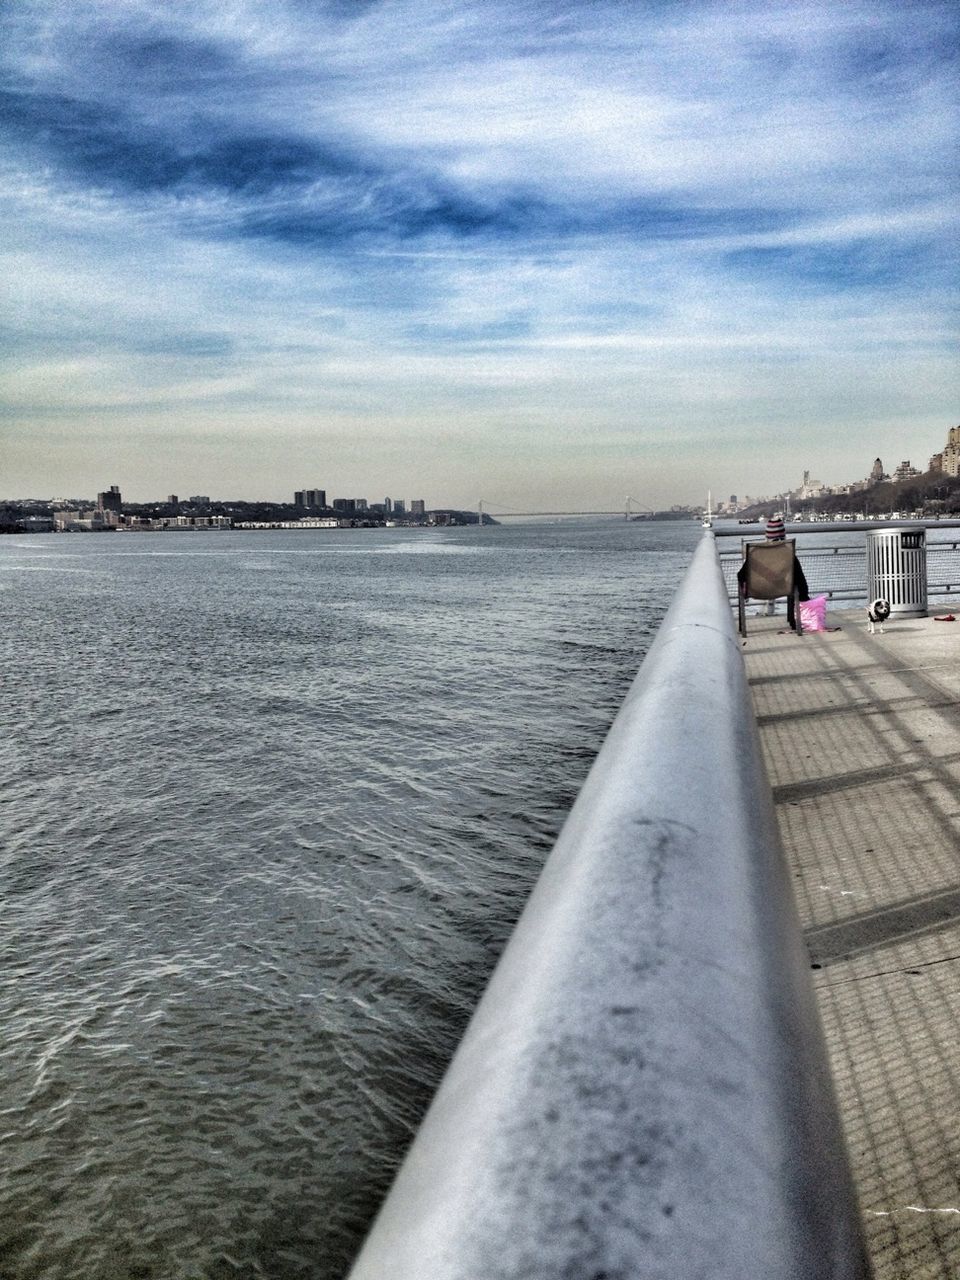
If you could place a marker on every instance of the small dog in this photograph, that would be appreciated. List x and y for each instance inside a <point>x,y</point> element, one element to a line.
<point>878,611</point>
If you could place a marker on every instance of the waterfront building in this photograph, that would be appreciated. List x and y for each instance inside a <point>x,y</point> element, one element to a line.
<point>80,521</point>
<point>399,506</point>
<point>198,522</point>
<point>418,507</point>
<point>156,524</point>
<point>345,505</point>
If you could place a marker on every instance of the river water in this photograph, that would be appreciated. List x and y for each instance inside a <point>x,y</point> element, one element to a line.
<point>271,805</point>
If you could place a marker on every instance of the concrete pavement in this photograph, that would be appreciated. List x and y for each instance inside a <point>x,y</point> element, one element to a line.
<point>861,737</point>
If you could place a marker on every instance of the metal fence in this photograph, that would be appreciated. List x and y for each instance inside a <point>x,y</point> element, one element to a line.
<point>943,568</point>
<point>834,557</point>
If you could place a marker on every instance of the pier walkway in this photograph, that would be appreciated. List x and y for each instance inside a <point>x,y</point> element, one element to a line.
<point>861,738</point>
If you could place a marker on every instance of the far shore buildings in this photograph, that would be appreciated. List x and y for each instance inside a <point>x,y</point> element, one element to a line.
<point>315,500</point>
<point>947,462</point>
<point>904,471</point>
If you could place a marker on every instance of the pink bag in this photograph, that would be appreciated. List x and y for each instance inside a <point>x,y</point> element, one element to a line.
<point>813,614</point>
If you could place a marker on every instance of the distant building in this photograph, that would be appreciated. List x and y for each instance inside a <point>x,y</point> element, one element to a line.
<point>346,506</point>
<point>172,500</point>
<point>904,471</point>
<point>79,521</point>
<point>360,504</point>
<point>951,452</point>
<point>936,462</point>
<point>109,501</point>
<point>810,488</point>
<point>418,507</point>
<point>197,522</point>
<point>388,505</point>
<point>312,499</point>
<point>399,506</point>
<point>876,472</point>
<point>199,500</point>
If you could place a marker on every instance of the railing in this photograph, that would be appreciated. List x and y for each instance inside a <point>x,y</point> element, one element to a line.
<point>838,570</point>
<point>643,1090</point>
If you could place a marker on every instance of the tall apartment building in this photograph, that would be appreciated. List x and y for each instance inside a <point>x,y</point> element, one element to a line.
<point>418,507</point>
<point>313,499</point>
<point>109,501</point>
<point>951,452</point>
<point>904,471</point>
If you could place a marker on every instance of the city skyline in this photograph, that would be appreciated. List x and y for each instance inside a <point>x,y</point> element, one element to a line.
<point>946,458</point>
<point>538,254</point>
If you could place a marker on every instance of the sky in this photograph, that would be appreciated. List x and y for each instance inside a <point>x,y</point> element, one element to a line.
<point>544,254</point>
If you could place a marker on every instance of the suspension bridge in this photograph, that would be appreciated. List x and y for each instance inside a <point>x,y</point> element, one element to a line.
<point>631,508</point>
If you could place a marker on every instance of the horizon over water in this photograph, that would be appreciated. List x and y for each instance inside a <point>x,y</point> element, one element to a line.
<point>273,803</point>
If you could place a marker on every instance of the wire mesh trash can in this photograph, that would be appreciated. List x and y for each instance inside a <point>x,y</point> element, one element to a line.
<point>897,570</point>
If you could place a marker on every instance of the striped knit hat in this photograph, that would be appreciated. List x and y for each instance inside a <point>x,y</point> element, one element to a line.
<point>775,529</point>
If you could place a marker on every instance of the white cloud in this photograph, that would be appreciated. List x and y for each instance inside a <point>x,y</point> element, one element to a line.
<point>746,220</point>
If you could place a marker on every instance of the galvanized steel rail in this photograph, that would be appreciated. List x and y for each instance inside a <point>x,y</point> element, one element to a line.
<point>643,1090</point>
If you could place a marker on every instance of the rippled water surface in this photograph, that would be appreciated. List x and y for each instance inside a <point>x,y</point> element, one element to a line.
<point>271,804</point>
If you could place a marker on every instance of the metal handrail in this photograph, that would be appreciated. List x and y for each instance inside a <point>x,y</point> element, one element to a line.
<point>644,1090</point>
<point>831,526</point>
